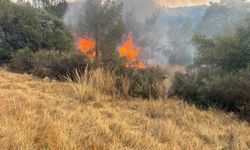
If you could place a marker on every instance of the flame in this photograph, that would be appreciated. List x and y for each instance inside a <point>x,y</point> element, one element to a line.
<point>128,51</point>
<point>87,46</point>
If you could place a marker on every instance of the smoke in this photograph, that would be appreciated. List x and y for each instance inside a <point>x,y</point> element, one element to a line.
<point>165,33</point>
<point>140,8</point>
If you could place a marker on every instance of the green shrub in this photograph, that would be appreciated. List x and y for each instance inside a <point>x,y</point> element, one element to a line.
<point>4,55</point>
<point>230,91</point>
<point>54,64</point>
<point>57,64</point>
<point>23,61</point>
<point>208,88</point>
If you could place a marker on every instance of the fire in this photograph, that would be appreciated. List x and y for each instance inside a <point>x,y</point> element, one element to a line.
<point>87,47</point>
<point>128,51</point>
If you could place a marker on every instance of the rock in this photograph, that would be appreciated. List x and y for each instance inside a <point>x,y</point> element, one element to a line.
<point>46,79</point>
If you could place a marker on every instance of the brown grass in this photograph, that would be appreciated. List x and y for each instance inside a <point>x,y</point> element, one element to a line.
<point>37,114</point>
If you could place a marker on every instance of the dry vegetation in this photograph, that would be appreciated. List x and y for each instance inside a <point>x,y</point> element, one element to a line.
<point>39,114</point>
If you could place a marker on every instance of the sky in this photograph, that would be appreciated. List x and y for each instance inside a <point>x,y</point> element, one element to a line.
<point>175,3</point>
<point>180,3</point>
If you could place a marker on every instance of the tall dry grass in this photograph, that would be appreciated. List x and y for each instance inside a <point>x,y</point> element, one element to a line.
<point>82,86</point>
<point>38,114</point>
<point>103,81</point>
<point>126,84</point>
<point>93,84</point>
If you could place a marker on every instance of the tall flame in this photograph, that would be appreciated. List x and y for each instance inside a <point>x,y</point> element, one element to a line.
<point>87,46</point>
<point>128,51</point>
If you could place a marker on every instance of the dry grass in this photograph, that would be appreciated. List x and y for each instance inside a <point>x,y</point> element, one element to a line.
<point>92,84</point>
<point>38,114</point>
<point>126,86</point>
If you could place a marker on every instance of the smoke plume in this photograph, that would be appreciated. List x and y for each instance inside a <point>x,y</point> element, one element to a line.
<point>164,28</point>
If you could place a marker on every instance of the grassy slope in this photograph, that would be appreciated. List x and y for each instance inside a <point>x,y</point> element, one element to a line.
<point>38,114</point>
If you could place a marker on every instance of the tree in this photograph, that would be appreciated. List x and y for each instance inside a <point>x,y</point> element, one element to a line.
<point>223,16</point>
<point>23,26</point>
<point>103,21</point>
<point>228,52</point>
<point>54,7</point>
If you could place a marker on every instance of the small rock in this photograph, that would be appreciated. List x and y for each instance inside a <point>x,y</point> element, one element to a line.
<point>46,79</point>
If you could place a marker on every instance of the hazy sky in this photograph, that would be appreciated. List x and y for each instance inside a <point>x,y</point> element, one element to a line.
<point>176,3</point>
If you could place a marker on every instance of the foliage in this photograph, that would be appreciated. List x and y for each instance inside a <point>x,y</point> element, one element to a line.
<point>220,76</point>
<point>54,64</point>
<point>145,83</point>
<point>223,17</point>
<point>103,21</point>
<point>54,7</point>
<point>23,60</point>
<point>229,53</point>
<point>23,26</point>
<point>208,88</point>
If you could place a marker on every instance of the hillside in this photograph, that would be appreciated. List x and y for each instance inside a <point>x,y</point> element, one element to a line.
<point>43,114</point>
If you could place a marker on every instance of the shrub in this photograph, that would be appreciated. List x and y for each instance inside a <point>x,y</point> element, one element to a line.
<point>4,55</point>
<point>23,61</point>
<point>230,91</point>
<point>43,63</point>
<point>189,85</point>
<point>145,83</point>
<point>206,88</point>
<point>57,64</point>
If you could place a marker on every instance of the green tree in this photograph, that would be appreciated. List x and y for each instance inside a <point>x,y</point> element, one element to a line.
<point>23,26</point>
<point>103,21</point>
<point>54,7</point>
<point>223,16</point>
<point>228,52</point>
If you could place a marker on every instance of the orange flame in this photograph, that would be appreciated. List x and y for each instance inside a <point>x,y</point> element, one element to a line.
<point>132,55</point>
<point>87,47</point>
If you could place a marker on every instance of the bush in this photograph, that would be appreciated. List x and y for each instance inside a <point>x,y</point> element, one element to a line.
<point>54,64</point>
<point>57,64</point>
<point>145,83</point>
<point>23,60</point>
<point>205,88</point>
<point>4,55</point>
<point>189,86</point>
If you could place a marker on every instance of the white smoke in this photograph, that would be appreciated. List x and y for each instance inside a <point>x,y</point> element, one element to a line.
<point>163,33</point>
